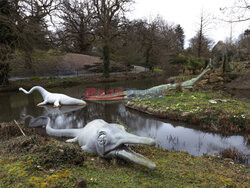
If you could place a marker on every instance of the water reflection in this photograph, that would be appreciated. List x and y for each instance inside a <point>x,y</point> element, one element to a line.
<point>17,106</point>
<point>167,136</point>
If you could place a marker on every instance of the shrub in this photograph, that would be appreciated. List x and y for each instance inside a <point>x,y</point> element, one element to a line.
<point>52,77</point>
<point>180,59</point>
<point>35,78</point>
<point>233,153</point>
<point>195,63</point>
<point>191,63</point>
<point>56,154</point>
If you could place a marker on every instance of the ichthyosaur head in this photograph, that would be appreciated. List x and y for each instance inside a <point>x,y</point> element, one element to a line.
<point>112,140</point>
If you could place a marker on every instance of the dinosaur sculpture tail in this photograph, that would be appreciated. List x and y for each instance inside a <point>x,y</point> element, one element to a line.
<point>42,91</point>
<point>60,132</point>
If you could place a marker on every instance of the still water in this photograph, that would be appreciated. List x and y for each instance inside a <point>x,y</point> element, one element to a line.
<point>168,135</point>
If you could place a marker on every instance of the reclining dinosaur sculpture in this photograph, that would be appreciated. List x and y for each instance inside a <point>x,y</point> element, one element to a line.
<point>55,98</point>
<point>154,90</point>
<point>106,140</point>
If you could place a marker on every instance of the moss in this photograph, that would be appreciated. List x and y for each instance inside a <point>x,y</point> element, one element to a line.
<point>62,178</point>
<point>55,154</point>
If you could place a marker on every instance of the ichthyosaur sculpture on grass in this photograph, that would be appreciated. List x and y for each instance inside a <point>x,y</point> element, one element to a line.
<point>107,140</point>
<point>54,98</point>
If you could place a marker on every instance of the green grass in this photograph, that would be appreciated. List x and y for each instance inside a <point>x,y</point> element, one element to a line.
<point>198,101</point>
<point>158,70</point>
<point>35,161</point>
<point>176,169</point>
<point>186,77</point>
<point>226,117</point>
<point>241,67</point>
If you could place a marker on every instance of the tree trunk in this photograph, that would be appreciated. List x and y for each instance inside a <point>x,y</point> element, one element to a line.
<point>106,60</point>
<point>28,60</point>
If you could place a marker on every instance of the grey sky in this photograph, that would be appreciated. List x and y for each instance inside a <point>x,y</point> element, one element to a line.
<point>187,14</point>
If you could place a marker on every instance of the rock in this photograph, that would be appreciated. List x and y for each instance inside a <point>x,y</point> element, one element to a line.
<point>170,80</point>
<point>213,101</point>
<point>161,112</point>
<point>220,78</point>
<point>139,107</point>
<point>206,76</point>
<point>219,73</point>
<point>150,110</point>
<point>129,103</point>
<point>222,100</point>
<point>203,82</point>
<point>184,114</point>
<point>82,184</point>
<point>144,107</point>
<point>155,111</point>
<point>213,78</point>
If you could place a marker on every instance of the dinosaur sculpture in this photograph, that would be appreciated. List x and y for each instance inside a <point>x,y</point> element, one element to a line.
<point>154,90</point>
<point>55,98</point>
<point>106,140</point>
<point>224,53</point>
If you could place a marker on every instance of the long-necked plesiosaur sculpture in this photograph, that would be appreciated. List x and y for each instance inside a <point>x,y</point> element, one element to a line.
<point>106,139</point>
<point>54,98</point>
<point>156,89</point>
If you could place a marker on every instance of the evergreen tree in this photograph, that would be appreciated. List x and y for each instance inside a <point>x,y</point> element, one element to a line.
<point>180,37</point>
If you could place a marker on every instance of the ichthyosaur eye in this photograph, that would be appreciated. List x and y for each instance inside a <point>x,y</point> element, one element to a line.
<point>102,138</point>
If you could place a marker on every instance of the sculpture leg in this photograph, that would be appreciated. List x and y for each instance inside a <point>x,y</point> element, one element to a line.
<point>42,103</point>
<point>56,103</point>
<point>72,140</point>
<point>85,148</point>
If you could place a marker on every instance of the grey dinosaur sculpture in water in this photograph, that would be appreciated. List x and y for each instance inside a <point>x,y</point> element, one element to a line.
<point>54,98</point>
<point>106,139</point>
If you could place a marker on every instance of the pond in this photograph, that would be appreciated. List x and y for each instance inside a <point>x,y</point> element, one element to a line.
<point>168,135</point>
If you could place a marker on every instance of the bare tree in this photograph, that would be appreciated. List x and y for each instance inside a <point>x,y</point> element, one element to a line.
<point>149,43</point>
<point>77,30</point>
<point>238,12</point>
<point>108,16</point>
<point>243,45</point>
<point>205,21</point>
<point>31,19</point>
<point>200,43</point>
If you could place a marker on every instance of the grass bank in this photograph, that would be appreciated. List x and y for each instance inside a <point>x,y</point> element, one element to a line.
<point>35,161</point>
<point>227,115</point>
<point>65,82</point>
